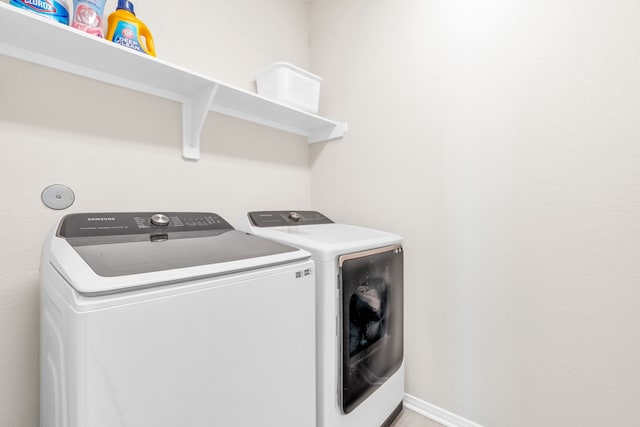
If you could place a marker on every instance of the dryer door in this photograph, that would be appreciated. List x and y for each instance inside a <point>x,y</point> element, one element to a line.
<point>371,319</point>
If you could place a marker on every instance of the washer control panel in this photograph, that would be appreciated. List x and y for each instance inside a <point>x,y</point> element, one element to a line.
<point>120,224</point>
<point>287,218</point>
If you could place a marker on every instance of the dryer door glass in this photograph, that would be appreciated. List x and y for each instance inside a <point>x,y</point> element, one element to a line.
<point>371,318</point>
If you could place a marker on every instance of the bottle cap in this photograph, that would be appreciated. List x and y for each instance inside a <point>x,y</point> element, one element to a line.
<point>126,5</point>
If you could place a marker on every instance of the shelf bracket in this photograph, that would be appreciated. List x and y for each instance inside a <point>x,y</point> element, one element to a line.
<point>194,112</point>
<point>328,133</point>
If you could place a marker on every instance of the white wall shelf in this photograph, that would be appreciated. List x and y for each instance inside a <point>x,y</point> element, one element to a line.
<point>32,38</point>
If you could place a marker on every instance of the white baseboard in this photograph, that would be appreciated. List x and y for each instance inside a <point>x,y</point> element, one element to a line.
<point>439,415</point>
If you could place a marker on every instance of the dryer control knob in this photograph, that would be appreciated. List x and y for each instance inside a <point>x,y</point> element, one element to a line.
<point>160,220</point>
<point>294,216</point>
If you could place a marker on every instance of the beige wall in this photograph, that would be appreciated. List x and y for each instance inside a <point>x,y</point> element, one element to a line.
<point>121,151</point>
<point>501,138</point>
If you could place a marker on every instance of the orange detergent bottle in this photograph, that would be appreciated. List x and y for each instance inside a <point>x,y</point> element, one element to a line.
<point>127,30</point>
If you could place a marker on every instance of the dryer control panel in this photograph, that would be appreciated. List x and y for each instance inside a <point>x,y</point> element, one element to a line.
<point>121,224</point>
<point>287,218</point>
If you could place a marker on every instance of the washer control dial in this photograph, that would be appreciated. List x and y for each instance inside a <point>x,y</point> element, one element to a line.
<point>160,220</point>
<point>294,216</point>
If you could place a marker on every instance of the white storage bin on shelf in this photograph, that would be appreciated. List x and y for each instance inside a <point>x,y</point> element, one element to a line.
<point>290,85</point>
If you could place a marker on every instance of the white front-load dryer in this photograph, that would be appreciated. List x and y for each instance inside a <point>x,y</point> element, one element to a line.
<point>359,314</point>
<point>174,319</point>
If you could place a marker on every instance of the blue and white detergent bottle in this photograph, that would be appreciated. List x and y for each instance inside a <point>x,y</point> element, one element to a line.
<point>57,10</point>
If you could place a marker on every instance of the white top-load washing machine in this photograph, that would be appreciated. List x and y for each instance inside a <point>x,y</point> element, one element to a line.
<point>359,314</point>
<point>174,319</point>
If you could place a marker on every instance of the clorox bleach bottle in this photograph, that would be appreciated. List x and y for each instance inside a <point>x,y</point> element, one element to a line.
<point>54,9</point>
<point>127,30</point>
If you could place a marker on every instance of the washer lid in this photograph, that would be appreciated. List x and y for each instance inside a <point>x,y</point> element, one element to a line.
<point>111,252</point>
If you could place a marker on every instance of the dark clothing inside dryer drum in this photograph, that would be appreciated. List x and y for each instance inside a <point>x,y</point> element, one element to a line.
<point>372,323</point>
<point>367,314</point>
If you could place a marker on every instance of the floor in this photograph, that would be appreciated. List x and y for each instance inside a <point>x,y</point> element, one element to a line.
<point>409,418</point>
